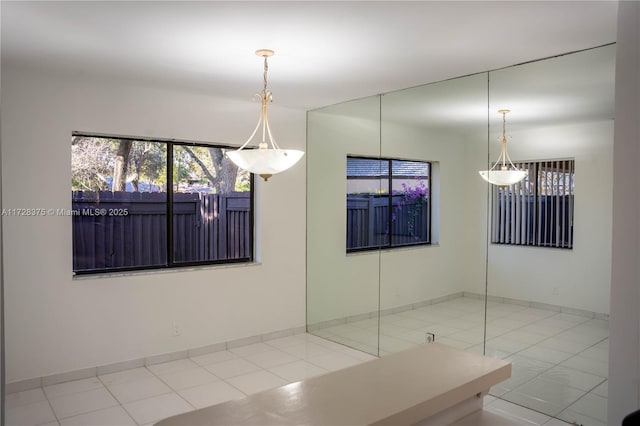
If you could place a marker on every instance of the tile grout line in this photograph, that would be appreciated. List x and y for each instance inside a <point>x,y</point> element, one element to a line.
<point>582,396</point>
<point>553,366</point>
<point>51,406</point>
<point>220,379</point>
<point>169,386</point>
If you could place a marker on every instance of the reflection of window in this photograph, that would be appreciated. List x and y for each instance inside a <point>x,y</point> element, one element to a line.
<point>387,203</point>
<point>537,211</point>
<point>123,191</point>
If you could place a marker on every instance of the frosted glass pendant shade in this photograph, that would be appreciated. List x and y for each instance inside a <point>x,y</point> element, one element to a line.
<point>503,177</point>
<point>264,161</point>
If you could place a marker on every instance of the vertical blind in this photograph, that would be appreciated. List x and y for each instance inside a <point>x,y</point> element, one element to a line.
<point>537,211</point>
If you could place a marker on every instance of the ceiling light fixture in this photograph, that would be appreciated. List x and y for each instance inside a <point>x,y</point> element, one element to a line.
<point>264,161</point>
<point>508,174</point>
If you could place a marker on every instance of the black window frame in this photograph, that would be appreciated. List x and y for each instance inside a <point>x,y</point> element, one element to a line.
<point>171,264</point>
<point>389,194</point>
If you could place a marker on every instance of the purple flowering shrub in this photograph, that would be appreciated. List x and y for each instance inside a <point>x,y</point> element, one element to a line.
<point>412,199</point>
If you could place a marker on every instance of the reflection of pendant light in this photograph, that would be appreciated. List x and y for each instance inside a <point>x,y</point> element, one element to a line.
<point>264,161</point>
<point>508,174</point>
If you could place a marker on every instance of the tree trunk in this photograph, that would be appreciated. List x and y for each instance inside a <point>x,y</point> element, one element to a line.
<point>121,167</point>
<point>226,171</point>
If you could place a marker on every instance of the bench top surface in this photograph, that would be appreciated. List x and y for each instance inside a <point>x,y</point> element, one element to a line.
<point>402,388</point>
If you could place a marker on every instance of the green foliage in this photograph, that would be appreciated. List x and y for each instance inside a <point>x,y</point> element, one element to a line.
<point>195,168</point>
<point>93,161</point>
<point>243,184</point>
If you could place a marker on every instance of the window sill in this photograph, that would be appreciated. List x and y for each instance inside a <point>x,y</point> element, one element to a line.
<point>98,275</point>
<point>392,249</point>
<point>567,249</point>
<point>408,247</point>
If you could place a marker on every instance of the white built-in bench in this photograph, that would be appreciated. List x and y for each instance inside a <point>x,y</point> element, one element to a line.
<point>429,384</point>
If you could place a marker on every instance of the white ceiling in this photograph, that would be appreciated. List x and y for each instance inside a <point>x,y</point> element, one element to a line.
<point>566,89</point>
<point>326,52</point>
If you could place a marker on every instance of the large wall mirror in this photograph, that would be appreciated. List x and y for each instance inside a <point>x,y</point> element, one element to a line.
<point>422,287</point>
<point>406,241</point>
<point>549,259</point>
<point>341,290</point>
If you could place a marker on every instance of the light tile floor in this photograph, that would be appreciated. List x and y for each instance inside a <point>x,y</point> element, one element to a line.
<point>143,396</point>
<point>559,360</point>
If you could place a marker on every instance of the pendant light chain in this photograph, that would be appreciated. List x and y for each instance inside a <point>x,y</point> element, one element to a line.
<point>265,99</point>
<point>266,93</point>
<point>266,69</point>
<point>504,140</point>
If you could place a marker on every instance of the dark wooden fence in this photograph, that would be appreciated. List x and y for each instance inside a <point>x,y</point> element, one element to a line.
<point>368,221</point>
<point>129,229</point>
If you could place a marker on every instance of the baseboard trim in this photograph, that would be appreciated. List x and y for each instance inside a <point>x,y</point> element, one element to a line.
<point>394,310</point>
<point>545,306</point>
<point>384,312</point>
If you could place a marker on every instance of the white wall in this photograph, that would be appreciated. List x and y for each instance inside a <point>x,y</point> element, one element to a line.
<point>583,273</point>
<point>624,325</point>
<point>55,323</point>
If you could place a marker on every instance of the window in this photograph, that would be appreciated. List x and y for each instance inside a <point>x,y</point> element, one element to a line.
<point>537,211</point>
<point>123,191</point>
<point>387,203</point>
